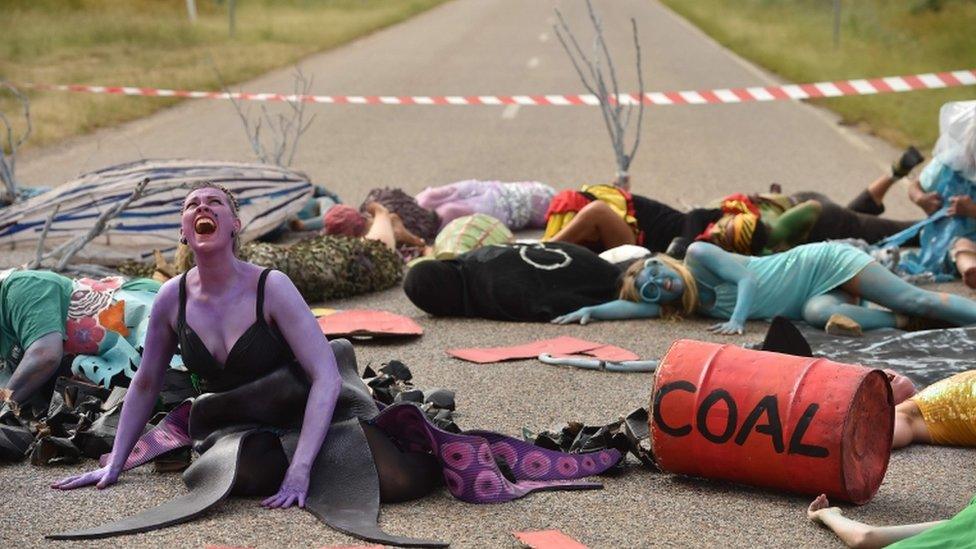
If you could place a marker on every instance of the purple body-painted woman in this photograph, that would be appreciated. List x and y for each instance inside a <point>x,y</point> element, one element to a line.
<point>220,307</point>
<point>261,356</point>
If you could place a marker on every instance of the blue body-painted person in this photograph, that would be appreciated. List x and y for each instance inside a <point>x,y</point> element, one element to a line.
<point>810,282</point>
<point>946,190</point>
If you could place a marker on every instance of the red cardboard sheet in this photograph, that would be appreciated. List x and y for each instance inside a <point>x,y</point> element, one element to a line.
<point>560,346</point>
<point>362,322</point>
<point>548,539</point>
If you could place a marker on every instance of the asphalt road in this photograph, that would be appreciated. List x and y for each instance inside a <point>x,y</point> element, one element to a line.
<point>689,155</point>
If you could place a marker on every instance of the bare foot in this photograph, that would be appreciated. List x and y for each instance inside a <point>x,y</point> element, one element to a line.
<point>402,235</point>
<point>819,507</point>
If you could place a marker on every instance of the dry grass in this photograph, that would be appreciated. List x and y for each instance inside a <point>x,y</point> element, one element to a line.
<point>793,38</point>
<point>151,43</point>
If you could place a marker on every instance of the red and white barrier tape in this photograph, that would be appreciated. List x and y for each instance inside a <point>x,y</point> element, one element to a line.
<point>868,86</point>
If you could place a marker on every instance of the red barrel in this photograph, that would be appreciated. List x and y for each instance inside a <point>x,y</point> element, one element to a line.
<point>805,425</point>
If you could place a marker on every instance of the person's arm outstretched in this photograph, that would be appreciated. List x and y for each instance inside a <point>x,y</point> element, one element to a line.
<point>619,309</point>
<point>858,534</point>
<point>727,268</point>
<point>298,326</point>
<point>143,391</point>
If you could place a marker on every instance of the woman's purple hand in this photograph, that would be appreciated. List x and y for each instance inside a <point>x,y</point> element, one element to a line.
<point>292,492</point>
<point>101,478</point>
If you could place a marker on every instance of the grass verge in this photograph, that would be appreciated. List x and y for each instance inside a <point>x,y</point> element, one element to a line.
<point>794,38</point>
<point>151,43</point>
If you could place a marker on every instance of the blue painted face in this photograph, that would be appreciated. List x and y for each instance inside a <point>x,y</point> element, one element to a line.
<point>658,283</point>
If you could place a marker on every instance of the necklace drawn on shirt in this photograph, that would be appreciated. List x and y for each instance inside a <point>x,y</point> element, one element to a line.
<point>564,260</point>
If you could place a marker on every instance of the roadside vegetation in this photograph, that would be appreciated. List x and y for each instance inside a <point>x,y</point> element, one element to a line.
<point>152,43</point>
<point>794,38</point>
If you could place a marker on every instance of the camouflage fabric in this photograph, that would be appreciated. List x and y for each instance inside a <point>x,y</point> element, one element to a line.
<point>330,266</point>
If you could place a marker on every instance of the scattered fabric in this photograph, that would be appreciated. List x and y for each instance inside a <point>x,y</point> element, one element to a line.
<point>80,421</point>
<point>629,434</point>
<point>560,346</point>
<point>367,323</point>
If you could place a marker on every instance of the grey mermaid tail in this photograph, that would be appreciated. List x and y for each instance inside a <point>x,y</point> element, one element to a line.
<point>241,456</point>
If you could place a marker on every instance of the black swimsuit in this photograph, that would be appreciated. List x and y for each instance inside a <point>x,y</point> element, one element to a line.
<point>260,350</point>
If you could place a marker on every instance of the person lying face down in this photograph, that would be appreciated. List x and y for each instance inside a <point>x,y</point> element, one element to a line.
<point>33,312</point>
<point>51,325</point>
<point>519,282</point>
<point>811,282</point>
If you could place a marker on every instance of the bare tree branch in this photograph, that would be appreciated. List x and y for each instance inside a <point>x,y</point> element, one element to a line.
<point>76,245</point>
<point>39,253</point>
<point>615,108</point>
<point>284,131</point>
<point>8,160</point>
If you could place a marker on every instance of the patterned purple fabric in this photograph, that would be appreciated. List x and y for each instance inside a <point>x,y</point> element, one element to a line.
<point>469,459</point>
<point>471,471</point>
<point>170,434</point>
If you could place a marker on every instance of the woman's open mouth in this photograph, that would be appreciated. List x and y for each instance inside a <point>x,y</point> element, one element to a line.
<point>204,225</point>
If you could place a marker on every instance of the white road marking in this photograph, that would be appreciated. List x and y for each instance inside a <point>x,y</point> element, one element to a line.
<point>511,111</point>
<point>533,63</point>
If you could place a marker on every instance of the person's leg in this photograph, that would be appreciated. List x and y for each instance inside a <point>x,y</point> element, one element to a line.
<point>964,254</point>
<point>881,286</point>
<point>793,227</point>
<point>598,224</point>
<point>819,309</point>
<point>871,199</point>
<point>909,426</point>
<point>858,534</point>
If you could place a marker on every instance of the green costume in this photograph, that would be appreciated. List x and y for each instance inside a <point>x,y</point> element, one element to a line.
<point>32,304</point>
<point>959,532</point>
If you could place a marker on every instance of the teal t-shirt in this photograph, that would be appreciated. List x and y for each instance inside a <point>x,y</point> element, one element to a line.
<point>959,532</point>
<point>32,304</point>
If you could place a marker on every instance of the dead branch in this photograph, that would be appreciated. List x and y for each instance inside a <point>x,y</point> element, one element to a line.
<point>75,245</point>
<point>616,117</point>
<point>39,253</point>
<point>285,131</point>
<point>8,150</point>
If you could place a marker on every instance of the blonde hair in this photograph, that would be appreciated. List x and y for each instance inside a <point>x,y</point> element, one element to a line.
<point>689,298</point>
